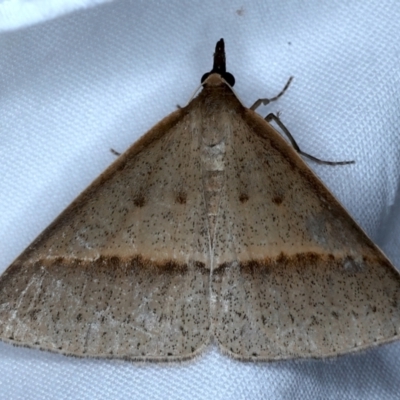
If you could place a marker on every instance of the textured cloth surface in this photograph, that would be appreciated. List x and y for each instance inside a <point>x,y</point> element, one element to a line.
<point>76,81</point>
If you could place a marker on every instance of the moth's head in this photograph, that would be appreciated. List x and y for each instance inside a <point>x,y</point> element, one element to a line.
<point>219,66</point>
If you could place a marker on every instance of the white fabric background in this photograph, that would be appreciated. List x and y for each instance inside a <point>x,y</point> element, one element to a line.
<point>74,84</point>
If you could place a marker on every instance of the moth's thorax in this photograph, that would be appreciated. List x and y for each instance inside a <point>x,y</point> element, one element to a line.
<point>216,96</point>
<point>217,105</point>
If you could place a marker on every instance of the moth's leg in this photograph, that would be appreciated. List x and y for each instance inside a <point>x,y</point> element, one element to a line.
<point>267,101</point>
<point>115,152</point>
<point>276,119</point>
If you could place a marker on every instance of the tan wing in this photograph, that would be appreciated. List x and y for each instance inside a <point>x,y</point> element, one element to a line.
<point>124,271</point>
<point>293,274</point>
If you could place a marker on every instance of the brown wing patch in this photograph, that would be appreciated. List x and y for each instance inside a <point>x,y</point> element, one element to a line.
<point>107,308</point>
<point>304,307</point>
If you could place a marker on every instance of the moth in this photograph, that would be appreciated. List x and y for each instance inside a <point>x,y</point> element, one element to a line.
<point>210,228</point>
